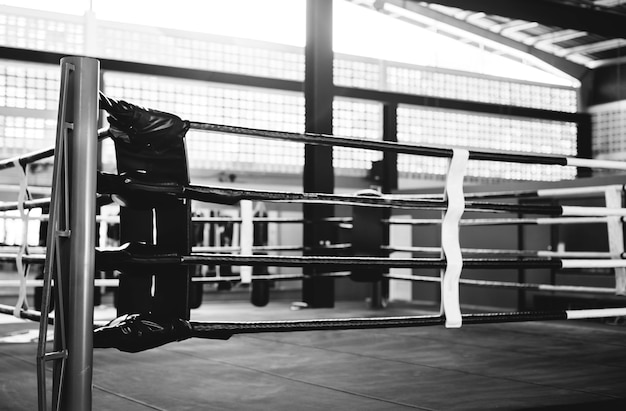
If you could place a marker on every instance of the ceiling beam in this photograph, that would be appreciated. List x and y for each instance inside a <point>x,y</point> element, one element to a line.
<point>570,68</point>
<point>568,15</point>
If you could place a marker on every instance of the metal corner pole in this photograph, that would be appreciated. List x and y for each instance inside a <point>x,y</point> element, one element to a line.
<point>83,148</point>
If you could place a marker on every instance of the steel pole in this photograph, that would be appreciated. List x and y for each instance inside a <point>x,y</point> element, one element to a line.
<point>83,144</point>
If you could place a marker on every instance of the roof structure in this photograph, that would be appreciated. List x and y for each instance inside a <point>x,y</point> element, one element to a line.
<point>572,36</point>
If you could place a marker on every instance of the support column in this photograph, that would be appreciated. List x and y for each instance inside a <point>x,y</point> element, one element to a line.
<point>584,146</point>
<point>389,183</point>
<point>318,161</point>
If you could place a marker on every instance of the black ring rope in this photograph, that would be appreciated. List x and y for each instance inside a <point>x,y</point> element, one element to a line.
<point>362,262</point>
<point>213,329</point>
<point>134,189</point>
<point>34,156</point>
<point>139,332</point>
<point>31,315</point>
<point>116,258</point>
<point>233,195</point>
<point>332,140</point>
<point>27,158</point>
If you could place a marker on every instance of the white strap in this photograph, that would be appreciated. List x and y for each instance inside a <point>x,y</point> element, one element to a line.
<point>450,244</point>
<point>246,238</point>
<point>615,228</point>
<point>22,272</point>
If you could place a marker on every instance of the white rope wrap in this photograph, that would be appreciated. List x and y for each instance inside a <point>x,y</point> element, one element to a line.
<point>450,244</point>
<point>595,313</point>
<point>615,229</point>
<point>571,211</point>
<point>22,271</point>
<point>246,238</point>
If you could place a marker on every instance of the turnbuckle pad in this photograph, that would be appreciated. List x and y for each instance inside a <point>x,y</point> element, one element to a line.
<point>139,332</point>
<point>132,255</point>
<point>139,191</point>
<point>142,128</point>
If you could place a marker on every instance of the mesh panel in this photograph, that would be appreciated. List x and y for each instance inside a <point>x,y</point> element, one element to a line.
<point>214,103</point>
<point>41,31</point>
<point>28,86</point>
<point>360,73</point>
<point>29,93</point>
<point>389,76</point>
<point>460,129</point>
<point>608,128</point>
<point>359,119</point>
<point>206,52</point>
<point>28,104</point>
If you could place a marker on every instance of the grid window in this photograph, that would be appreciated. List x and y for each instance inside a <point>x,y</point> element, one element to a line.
<point>28,86</point>
<point>358,119</point>
<point>608,128</point>
<point>359,73</point>
<point>459,129</point>
<point>41,31</point>
<point>28,106</point>
<point>199,51</point>
<point>25,134</point>
<point>213,103</point>
<point>29,94</point>
<point>455,85</point>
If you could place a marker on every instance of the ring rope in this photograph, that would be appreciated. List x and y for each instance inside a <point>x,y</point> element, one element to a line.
<point>137,332</point>
<point>502,221</point>
<point>34,156</point>
<point>224,329</point>
<point>114,282</point>
<point>331,262</point>
<point>23,160</point>
<point>434,151</point>
<point>25,314</point>
<point>507,284</point>
<point>6,250</point>
<point>344,262</point>
<point>511,252</point>
<point>542,192</point>
<point>397,221</point>
<point>348,220</point>
<point>234,220</point>
<point>226,195</point>
<point>265,248</point>
<point>27,205</point>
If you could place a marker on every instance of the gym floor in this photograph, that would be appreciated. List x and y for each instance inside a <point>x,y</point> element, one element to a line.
<point>571,365</point>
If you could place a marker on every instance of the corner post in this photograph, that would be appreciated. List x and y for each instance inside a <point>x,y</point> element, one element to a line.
<point>82,114</point>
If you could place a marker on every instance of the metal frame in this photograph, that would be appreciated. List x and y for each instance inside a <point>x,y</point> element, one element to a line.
<point>70,257</point>
<point>570,14</point>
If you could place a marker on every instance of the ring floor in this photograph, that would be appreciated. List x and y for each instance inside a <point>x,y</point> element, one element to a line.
<point>568,365</point>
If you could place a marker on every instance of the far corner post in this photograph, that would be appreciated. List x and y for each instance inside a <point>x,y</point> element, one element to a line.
<point>389,184</point>
<point>318,160</point>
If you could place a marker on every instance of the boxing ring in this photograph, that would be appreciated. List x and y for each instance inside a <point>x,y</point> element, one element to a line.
<point>147,140</point>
